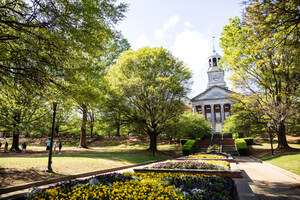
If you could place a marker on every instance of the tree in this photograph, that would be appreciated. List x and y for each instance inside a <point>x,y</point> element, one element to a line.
<point>192,126</point>
<point>152,83</point>
<point>187,125</point>
<point>38,38</point>
<point>19,111</point>
<point>263,53</point>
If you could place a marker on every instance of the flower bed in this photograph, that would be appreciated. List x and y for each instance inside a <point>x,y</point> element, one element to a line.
<point>141,186</point>
<point>209,156</point>
<point>214,148</point>
<point>192,164</point>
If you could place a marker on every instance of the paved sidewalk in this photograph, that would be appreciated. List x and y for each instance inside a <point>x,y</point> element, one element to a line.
<point>267,181</point>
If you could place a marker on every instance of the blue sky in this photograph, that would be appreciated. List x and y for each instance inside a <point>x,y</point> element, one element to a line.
<point>184,27</point>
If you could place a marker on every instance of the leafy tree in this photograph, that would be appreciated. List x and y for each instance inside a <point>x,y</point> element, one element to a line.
<point>20,111</point>
<point>192,126</point>
<point>111,103</point>
<point>152,83</point>
<point>263,53</point>
<point>38,38</point>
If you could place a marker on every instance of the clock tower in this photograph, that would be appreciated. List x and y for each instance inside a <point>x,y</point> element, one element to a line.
<point>214,103</point>
<point>215,74</point>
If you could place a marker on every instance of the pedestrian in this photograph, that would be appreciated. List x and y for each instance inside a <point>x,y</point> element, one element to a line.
<point>24,145</point>
<point>59,146</point>
<point>6,147</point>
<point>54,147</point>
<point>48,141</point>
<point>0,146</point>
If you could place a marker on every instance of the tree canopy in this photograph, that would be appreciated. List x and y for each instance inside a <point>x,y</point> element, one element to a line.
<point>40,39</point>
<point>262,50</point>
<point>153,84</point>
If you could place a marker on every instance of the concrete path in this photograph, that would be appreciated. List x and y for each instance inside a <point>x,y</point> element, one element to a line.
<point>267,181</point>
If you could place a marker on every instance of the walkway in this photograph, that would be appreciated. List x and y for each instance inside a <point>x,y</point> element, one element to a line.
<point>267,181</point>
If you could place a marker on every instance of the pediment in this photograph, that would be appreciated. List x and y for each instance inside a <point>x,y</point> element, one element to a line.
<point>213,93</point>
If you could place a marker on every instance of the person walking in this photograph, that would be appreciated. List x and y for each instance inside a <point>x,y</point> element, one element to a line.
<point>59,146</point>
<point>24,145</point>
<point>6,147</point>
<point>48,141</point>
<point>0,146</point>
<point>54,147</point>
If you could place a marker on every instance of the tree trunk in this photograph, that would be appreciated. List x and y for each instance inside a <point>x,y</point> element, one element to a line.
<point>16,134</point>
<point>118,129</point>
<point>83,127</point>
<point>92,124</point>
<point>56,131</point>
<point>15,143</point>
<point>153,141</point>
<point>282,142</point>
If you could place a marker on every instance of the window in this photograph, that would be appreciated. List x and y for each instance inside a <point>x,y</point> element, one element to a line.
<point>227,114</point>
<point>215,61</point>
<point>208,117</point>
<point>218,117</point>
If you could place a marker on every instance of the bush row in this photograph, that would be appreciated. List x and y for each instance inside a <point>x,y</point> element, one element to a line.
<point>188,147</point>
<point>241,146</point>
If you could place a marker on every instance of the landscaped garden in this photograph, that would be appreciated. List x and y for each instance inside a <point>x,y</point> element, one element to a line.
<point>209,156</point>
<point>141,186</point>
<point>192,164</point>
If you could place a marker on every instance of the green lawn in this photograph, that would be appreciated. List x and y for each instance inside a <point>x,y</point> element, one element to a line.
<point>287,161</point>
<point>75,163</point>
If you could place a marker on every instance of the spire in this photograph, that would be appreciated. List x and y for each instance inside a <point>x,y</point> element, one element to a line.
<point>214,51</point>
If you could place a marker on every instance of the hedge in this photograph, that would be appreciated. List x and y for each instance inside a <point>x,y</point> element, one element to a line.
<point>183,141</point>
<point>188,147</point>
<point>249,140</point>
<point>241,146</point>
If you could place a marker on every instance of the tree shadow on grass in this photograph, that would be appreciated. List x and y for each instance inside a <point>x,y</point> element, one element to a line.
<point>134,158</point>
<point>269,158</point>
<point>12,176</point>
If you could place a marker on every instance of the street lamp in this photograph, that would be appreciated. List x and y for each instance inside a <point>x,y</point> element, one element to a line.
<point>271,138</point>
<point>49,168</point>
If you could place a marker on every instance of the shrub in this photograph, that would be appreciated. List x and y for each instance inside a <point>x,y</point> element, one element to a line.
<point>249,140</point>
<point>188,147</point>
<point>241,146</point>
<point>183,141</point>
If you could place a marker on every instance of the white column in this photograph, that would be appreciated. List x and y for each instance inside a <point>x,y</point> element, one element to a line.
<point>212,117</point>
<point>203,110</point>
<point>222,113</point>
<point>194,109</point>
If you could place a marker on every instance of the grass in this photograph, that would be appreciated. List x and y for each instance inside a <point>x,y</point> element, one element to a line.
<point>287,161</point>
<point>75,163</point>
<point>19,170</point>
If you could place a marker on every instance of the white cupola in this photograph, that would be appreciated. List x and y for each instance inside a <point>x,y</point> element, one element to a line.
<point>215,74</point>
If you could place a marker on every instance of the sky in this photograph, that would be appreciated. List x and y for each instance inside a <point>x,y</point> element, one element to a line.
<point>184,27</point>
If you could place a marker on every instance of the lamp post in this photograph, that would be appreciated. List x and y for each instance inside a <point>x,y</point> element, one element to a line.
<point>49,168</point>
<point>271,138</point>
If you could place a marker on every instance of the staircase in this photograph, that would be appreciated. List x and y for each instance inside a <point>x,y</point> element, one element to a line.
<point>226,143</point>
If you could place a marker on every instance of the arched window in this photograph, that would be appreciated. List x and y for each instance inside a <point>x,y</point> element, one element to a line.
<point>209,62</point>
<point>215,61</point>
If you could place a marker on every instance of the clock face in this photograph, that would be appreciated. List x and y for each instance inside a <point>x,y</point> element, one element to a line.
<point>216,78</point>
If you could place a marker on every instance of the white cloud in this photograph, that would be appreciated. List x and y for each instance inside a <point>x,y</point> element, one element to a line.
<point>142,41</point>
<point>188,24</point>
<point>161,33</point>
<point>171,22</point>
<point>193,48</point>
